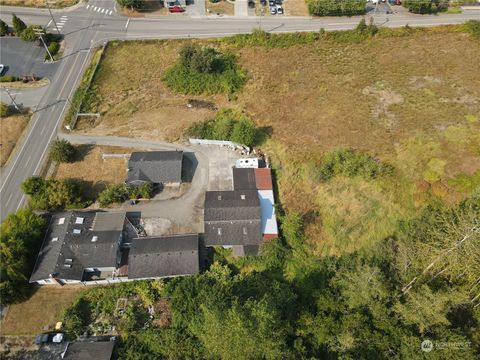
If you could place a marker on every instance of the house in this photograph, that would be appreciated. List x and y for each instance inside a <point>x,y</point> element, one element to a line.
<point>259,179</point>
<point>164,256</point>
<point>155,167</point>
<point>79,247</point>
<point>232,218</point>
<point>88,350</point>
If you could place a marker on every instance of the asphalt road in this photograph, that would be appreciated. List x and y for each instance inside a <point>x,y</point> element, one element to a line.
<point>92,24</point>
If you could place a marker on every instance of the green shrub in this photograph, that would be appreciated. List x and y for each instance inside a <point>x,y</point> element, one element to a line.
<point>53,48</point>
<point>425,6</point>
<point>336,7</point>
<point>53,194</point>
<point>351,163</point>
<point>133,4</point>
<point>473,27</point>
<point>8,78</point>
<point>204,70</point>
<point>62,151</point>
<point>29,34</point>
<point>5,110</point>
<point>3,28</point>
<point>18,25</point>
<point>118,193</point>
<point>228,124</point>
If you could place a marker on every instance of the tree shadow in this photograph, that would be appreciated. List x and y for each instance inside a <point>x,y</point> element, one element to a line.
<point>81,151</point>
<point>263,134</point>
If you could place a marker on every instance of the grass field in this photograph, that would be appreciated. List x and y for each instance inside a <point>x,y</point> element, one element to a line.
<point>43,308</point>
<point>411,99</point>
<point>54,4</point>
<point>96,172</point>
<point>11,130</point>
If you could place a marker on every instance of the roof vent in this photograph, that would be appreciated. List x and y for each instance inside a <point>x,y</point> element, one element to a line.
<point>244,231</point>
<point>67,265</point>
<point>219,231</point>
<point>77,231</point>
<point>79,220</point>
<point>219,197</point>
<point>242,196</point>
<point>55,239</point>
<point>61,221</point>
<point>94,238</point>
<point>68,260</point>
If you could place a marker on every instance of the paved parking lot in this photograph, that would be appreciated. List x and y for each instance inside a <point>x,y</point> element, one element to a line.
<point>24,58</point>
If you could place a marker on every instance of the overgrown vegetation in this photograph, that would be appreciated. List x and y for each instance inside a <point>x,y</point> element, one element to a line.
<point>204,70</point>
<point>53,194</point>
<point>118,193</point>
<point>351,163</point>
<point>228,124</point>
<point>18,25</point>
<point>62,151</point>
<point>6,110</point>
<point>473,27</point>
<point>20,236</point>
<point>289,303</point>
<point>336,7</point>
<point>3,28</point>
<point>132,4</point>
<point>425,6</point>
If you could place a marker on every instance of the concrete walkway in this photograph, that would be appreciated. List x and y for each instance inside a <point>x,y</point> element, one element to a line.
<point>241,8</point>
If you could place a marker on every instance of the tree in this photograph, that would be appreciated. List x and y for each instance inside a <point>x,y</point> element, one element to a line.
<point>19,235</point>
<point>424,6</point>
<point>62,151</point>
<point>244,132</point>
<point>3,28</point>
<point>33,185</point>
<point>18,25</point>
<point>4,109</point>
<point>133,4</point>
<point>29,34</point>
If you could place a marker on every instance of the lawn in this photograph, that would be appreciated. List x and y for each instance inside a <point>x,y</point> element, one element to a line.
<point>91,168</point>
<point>409,98</point>
<point>43,308</point>
<point>11,130</point>
<point>54,4</point>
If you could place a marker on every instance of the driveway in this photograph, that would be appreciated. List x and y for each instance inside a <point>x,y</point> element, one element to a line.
<point>211,167</point>
<point>24,58</point>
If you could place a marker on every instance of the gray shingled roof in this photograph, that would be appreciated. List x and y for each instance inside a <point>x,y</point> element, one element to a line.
<point>164,256</point>
<point>100,350</point>
<point>68,248</point>
<point>244,179</point>
<point>155,167</point>
<point>232,218</point>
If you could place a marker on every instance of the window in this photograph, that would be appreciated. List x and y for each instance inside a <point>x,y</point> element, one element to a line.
<point>94,238</point>
<point>79,220</point>
<point>242,196</point>
<point>61,221</point>
<point>77,231</point>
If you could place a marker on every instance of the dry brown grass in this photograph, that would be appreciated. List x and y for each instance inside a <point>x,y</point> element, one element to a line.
<point>43,308</point>
<point>11,129</point>
<point>54,4</point>
<point>404,99</point>
<point>93,170</point>
<point>295,8</point>
<point>222,7</point>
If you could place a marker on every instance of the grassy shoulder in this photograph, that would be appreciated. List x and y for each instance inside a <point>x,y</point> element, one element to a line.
<point>56,4</point>
<point>12,128</point>
<point>383,92</point>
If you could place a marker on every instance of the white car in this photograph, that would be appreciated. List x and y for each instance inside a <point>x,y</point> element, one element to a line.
<point>2,69</point>
<point>279,9</point>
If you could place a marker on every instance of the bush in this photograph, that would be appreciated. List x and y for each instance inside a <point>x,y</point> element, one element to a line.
<point>18,25</point>
<point>53,48</point>
<point>351,163</point>
<point>3,28</point>
<point>336,7</point>
<point>133,4</point>
<point>204,70</point>
<point>62,151</point>
<point>118,193</point>
<point>29,34</point>
<point>473,27</point>
<point>228,124</point>
<point>53,194</point>
<point>425,6</point>
<point>8,78</point>
<point>4,109</point>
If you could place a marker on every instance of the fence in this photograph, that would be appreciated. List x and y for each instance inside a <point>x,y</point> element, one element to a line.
<point>230,144</point>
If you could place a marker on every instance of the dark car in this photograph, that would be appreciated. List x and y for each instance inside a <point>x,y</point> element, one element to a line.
<point>278,2</point>
<point>263,2</point>
<point>176,9</point>
<point>271,3</point>
<point>47,338</point>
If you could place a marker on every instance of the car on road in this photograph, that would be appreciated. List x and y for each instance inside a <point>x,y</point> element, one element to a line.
<point>2,69</point>
<point>176,9</point>
<point>279,9</point>
<point>273,10</point>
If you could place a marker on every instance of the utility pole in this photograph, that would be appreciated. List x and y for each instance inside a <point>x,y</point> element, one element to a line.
<point>50,11</point>
<point>13,100</point>
<point>39,33</point>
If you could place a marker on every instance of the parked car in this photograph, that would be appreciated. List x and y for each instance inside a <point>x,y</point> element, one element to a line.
<point>279,9</point>
<point>176,9</point>
<point>271,3</point>
<point>273,10</point>
<point>278,2</point>
<point>47,338</point>
<point>2,69</point>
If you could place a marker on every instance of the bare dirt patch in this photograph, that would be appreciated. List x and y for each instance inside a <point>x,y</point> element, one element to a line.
<point>295,8</point>
<point>96,172</point>
<point>11,130</point>
<point>222,7</point>
<point>41,311</point>
<point>54,4</point>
